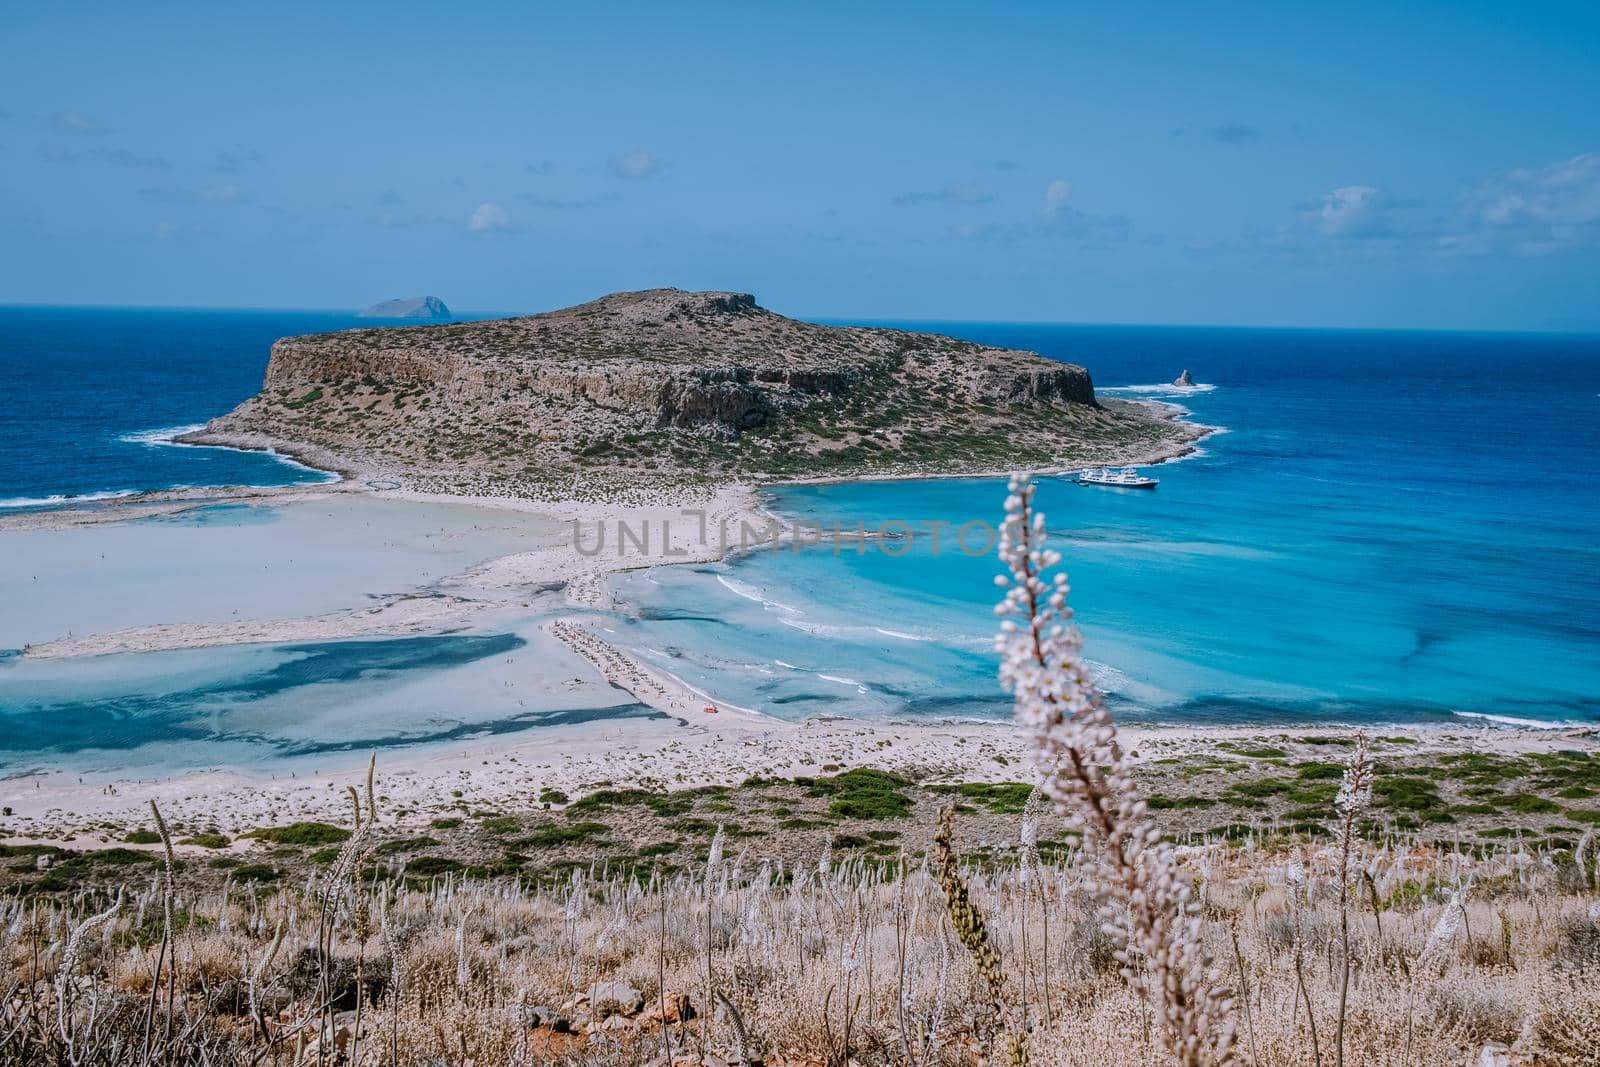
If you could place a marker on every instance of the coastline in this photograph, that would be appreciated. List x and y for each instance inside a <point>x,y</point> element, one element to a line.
<point>683,747</point>
<point>366,475</point>
<point>1173,452</point>
<point>312,457</point>
<point>305,458</point>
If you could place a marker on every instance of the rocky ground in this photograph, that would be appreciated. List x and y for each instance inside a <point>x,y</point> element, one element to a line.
<point>856,792</point>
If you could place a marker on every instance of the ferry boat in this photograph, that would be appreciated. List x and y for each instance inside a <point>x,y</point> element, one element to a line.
<point>1125,478</point>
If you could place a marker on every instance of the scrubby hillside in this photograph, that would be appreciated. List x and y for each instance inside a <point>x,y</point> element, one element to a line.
<point>672,386</point>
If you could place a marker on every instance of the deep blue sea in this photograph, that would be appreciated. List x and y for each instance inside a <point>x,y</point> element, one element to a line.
<point>94,396</point>
<point>1396,527</point>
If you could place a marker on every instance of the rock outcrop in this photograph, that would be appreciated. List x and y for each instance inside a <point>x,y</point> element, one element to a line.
<point>672,384</point>
<point>1183,381</point>
<point>429,308</point>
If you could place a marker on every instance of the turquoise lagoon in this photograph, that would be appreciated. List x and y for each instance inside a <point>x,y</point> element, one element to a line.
<point>1395,527</point>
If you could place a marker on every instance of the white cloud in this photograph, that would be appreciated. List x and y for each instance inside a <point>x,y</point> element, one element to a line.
<point>1347,210</point>
<point>1055,197</point>
<point>487,218</point>
<point>1562,193</point>
<point>635,165</point>
<point>1539,211</point>
<point>224,193</point>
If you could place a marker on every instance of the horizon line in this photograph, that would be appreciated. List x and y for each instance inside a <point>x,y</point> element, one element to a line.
<point>836,320</point>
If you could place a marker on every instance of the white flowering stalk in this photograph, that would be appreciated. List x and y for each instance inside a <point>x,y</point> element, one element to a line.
<point>1443,936</point>
<point>70,957</point>
<point>1145,900</point>
<point>1445,929</point>
<point>1588,870</point>
<point>1028,834</point>
<point>1355,789</point>
<point>1355,794</point>
<point>714,862</point>
<point>254,981</point>
<point>391,943</point>
<point>463,969</point>
<point>11,932</point>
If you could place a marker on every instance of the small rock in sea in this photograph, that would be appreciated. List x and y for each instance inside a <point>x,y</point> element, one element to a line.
<point>1183,381</point>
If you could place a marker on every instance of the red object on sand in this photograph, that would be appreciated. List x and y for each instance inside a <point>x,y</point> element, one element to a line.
<point>710,709</point>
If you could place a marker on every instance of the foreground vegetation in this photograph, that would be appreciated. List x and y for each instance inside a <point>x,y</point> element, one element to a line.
<point>853,960</point>
<point>1275,789</point>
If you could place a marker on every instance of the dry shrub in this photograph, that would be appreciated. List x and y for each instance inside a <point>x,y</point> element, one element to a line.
<point>1476,1012</point>
<point>1578,941</point>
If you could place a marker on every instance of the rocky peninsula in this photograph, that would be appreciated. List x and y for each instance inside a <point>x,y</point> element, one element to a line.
<point>666,387</point>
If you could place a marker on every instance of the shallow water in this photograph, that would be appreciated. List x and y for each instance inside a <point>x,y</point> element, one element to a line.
<point>240,704</point>
<point>230,562</point>
<point>248,704</point>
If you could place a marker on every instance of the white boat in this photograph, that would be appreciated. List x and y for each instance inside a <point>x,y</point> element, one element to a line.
<point>1125,478</point>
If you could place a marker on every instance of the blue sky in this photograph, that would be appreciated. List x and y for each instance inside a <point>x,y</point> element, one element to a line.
<point>1394,165</point>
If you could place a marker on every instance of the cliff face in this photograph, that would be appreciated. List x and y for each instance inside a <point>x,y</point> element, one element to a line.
<point>734,396</point>
<point>685,358</point>
<point>668,383</point>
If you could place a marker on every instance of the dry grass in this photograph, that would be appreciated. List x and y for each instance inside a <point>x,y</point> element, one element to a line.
<point>833,963</point>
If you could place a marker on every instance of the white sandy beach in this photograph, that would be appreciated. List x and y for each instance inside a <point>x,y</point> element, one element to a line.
<point>320,565</point>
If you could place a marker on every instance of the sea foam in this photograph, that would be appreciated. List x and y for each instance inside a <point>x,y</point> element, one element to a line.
<point>1519,722</point>
<point>164,436</point>
<point>1158,389</point>
<point>64,498</point>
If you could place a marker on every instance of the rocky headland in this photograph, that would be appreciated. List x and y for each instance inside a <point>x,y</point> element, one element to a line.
<point>671,387</point>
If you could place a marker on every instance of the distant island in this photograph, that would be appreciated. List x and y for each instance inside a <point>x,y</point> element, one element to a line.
<point>429,308</point>
<point>672,387</point>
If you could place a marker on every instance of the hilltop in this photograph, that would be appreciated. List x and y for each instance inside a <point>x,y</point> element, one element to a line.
<point>667,386</point>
